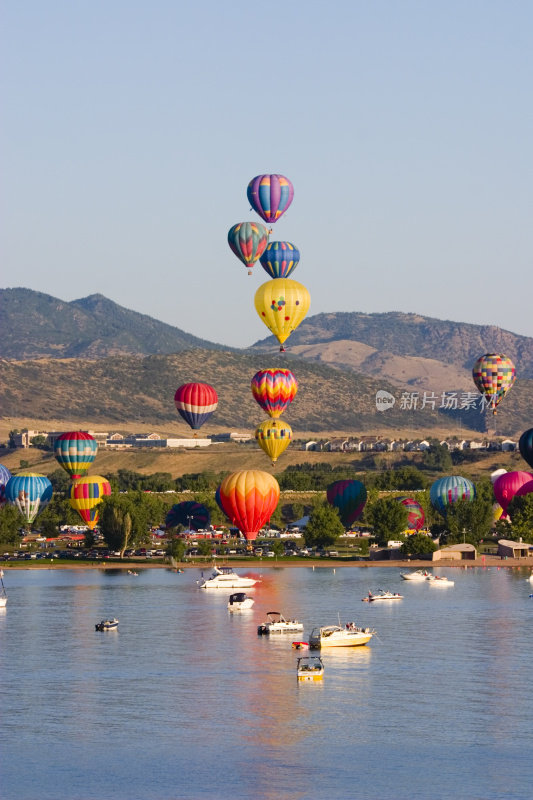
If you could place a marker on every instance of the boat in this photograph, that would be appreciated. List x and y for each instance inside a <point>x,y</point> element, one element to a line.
<point>310,668</point>
<point>276,623</point>
<point>417,575</point>
<point>439,580</point>
<point>225,578</point>
<point>132,572</point>
<point>3,593</point>
<point>337,636</point>
<point>107,625</point>
<point>300,645</point>
<point>239,602</point>
<point>382,595</point>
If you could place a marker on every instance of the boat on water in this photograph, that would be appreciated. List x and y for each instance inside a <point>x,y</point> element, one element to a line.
<point>337,636</point>
<point>276,623</point>
<point>382,595</point>
<point>417,575</point>
<point>3,593</point>
<point>226,578</point>
<point>439,580</point>
<point>132,572</point>
<point>300,645</point>
<point>239,601</point>
<point>310,668</point>
<point>107,625</point>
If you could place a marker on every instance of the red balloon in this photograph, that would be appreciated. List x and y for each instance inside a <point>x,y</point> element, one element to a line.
<point>507,486</point>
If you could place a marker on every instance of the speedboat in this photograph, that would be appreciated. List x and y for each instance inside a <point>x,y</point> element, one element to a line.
<point>132,572</point>
<point>417,575</point>
<point>382,595</point>
<point>225,578</point>
<point>239,602</point>
<point>107,625</point>
<point>310,668</point>
<point>276,623</point>
<point>439,580</point>
<point>337,636</point>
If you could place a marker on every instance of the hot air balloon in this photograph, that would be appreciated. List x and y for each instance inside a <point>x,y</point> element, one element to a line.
<point>494,374</point>
<point>415,513</point>
<point>218,501</point>
<point>29,492</point>
<point>506,486</point>
<point>496,474</point>
<point>86,494</point>
<point>497,513</point>
<point>525,445</point>
<point>195,403</point>
<point>274,389</point>
<point>446,491</point>
<point>191,515</point>
<point>249,498</point>
<point>270,196</point>
<point>526,488</point>
<point>248,241</point>
<point>75,452</point>
<point>280,259</point>
<point>5,475</point>
<point>282,304</point>
<point>349,497</point>
<point>273,437</point>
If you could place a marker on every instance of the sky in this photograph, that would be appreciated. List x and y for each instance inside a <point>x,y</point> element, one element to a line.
<point>130,131</point>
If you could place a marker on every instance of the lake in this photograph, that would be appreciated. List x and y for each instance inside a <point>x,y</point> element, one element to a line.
<point>185,700</point>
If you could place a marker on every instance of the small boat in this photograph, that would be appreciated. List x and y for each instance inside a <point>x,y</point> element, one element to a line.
<point>310,668</point>
<point>276,623</point>
<point>417,575</point>
<point>439,580</point>
<point>3,593</point>
<point>226,578</point>
<point>132,572</point>
<point>382,595</point>
<point>530,579</point>
<point>303,645</point>
<point>239,602</point>
<point>107,625</point>
<point>337,636</point>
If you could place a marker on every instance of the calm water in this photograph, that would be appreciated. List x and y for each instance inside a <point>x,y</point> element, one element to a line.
<point>186,701</point>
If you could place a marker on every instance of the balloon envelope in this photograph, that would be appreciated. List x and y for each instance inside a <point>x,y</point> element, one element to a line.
<point>506,486</point>
<point>415,513</point>
<point>280,259</point>
<point>282,304</point>
<point>191,515</point>
<point>270,195</point>
<point>349,497</point>
<point>494,374</point>
<point>86,494</point>
<point>196,402</point>
<point>249,498</point>
<point>525,445</point>
<point>273,437</point>
<point>29,492</point>
<point>274,389</point>
<point>496,474</point>
<point>75,452</point>
<point>5,475</point>
<point>447,491</point>
<point>248,241</point>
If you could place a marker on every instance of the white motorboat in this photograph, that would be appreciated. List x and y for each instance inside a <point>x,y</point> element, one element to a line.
<point>382,595</point>
<point>239,602</point>
<point>107,625</point>
<point>439,580</point>
<point>276,623</point>
<point>417,575</point>
<point>3,593</point>
<point>337,636</point>
<point>225,578</point>
<point>310,668</point>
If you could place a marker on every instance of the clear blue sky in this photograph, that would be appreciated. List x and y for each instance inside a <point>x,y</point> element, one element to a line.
<point>131,129</point>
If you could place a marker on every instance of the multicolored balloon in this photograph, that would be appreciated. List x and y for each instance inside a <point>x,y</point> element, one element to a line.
<point>274,389</point>
<point>494,374</point>
<point>249,498</point>
<point>5,475</point>
<point>270,196</point>
<point>525,445</point>
<point>280,259</point>
<point>282,304</point>
<point>444,492</point>
<point>506,486</point>
<point>415,513</point>
<point>75,452</point>
<point>248,241</point>
<point>196,402</point>
<point>349,497</point>
<point>273,437</point>
<point>192,515</point>
<point>29,492</point>
<point>85,496</point>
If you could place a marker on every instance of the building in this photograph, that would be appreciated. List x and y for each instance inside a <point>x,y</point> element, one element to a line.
<point>509,549</point>
<point>455,552</point>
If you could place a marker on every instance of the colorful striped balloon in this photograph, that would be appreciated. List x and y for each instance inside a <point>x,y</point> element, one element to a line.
<point>249,498</point>
<point>248,241</point>
<point>280,259</point>
<point>196,402</point>
<point>5,475</point>
<point>86,494</point>
<point>415,513</point>
<point>444,492</point>
<point>274,389</point>
<point>273,437</point>
<point>29,492</point>
<point>75,452</point>
<point>349,497</point>
<point>270,196</point>
<point>494,374</point>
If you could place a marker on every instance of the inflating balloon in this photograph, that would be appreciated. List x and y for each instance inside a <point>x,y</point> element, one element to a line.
<point>282,304</point>
<point>349,497</point>
<point>196,402</point>
<point>506,486</point>
<point>525,445</point>
<point>5,475</point>
<point>280,259</point>
<point>29,492</point>
<point>192,515</point>
<point>494,374</point>
<point>85,496</point>
<point>274,389</point>
<point>249,498</point>
<point>445,492</point>
<point>270,196</point>
<point>415,513</point>
<point>273,437</point>
<point>248,241</point>
<point>75,452</point>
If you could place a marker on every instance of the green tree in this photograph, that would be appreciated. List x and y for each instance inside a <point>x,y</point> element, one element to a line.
<point>205,547</point>
<point>176,548</point>
<point>388,518</point>
<point>60,481</point>
<point>418,545</point>
<point>278,547</point>
<point>468,521</point>
<point>121,523</point>
<point>40,441</point>
<point>520,510</point>
<point>437,458</point>
<point>10,521</point>
<point>324,526</point>
<point>11,439</point>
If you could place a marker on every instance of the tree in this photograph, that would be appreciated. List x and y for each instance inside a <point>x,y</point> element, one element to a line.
<point>468,521</point>
<point>278,547</point>
<point>40,441</point>
<point>417,545</point>
<point>10,521</point>
<point>324,526</point>
<point>60,481</point>
<point>121,523</point>
<point>437,458</point>
<point>176,549</point>
<point>520,509</point>
<point>388,518</point>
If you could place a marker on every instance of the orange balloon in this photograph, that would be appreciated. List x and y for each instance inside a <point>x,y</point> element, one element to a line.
<point>249,498</point>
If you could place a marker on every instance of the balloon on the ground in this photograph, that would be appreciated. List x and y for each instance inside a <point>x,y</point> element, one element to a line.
<point>506,486</point>
<point>249,498</point>
<point>497,513</point>
<point>248,241</point>
<point>192,515</point>
<point>196,402</point>
<point>5,475</point>
<point>525,445</point>
<point>270,195</point>
<point>75,452</point>
<point>496,474</point>
<point>349,497</point>
<point>445,492</point>
<point>274,389</point>
<point>273,437</point>
<point>494,374</point>
<point>29,492</point>
<point>85,496</point>
<point>415,513</point>
<point>280,259</point>
<point>282,304</point>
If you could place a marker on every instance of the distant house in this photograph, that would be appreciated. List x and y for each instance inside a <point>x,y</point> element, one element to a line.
<point>455,552</point>
<point>231,436</point>
<point>508,445</point>
<point>510,549</point>
<point>312,445</point>
<point>336,445</point>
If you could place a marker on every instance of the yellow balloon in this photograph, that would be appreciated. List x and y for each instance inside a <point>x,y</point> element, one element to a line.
<point>282,304</point>
<point>273,436</point>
